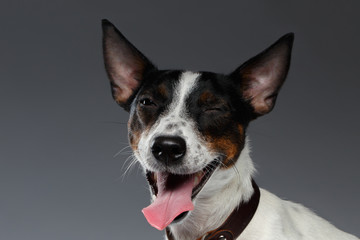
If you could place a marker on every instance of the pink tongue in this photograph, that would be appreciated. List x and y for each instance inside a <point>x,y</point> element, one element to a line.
<point>169,203</point>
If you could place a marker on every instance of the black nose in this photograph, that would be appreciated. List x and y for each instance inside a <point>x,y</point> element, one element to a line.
<point>168,149</point>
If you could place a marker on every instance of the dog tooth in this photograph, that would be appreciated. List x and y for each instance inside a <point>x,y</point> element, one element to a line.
<point>196,180</point>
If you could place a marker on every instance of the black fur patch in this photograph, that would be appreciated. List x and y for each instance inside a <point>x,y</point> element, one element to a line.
<point>153,97</point>
<point>215,105</point>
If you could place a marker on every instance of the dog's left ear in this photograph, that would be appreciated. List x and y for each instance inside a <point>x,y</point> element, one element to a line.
<point>125,65</point>
<point>262,76</point>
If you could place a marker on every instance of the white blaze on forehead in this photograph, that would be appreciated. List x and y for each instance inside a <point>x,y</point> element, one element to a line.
<point>185,86</point>
<point>176,122</point>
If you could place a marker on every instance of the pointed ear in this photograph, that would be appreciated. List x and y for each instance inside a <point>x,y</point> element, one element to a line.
<point>262,76</point>
<point>125,65</point>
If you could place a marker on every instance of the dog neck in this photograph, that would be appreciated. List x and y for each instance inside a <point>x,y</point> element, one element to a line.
<point>216,201</point>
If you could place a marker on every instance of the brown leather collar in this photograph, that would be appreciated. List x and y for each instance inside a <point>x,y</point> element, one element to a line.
<point>235,223</point>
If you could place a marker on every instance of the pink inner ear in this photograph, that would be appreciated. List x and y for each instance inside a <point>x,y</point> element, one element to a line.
<point>263,75</point>
<point>124,69</point>
<point>264,81</point>
<point>261,87</point>
<point>125,82</point>
<point>124,64</point>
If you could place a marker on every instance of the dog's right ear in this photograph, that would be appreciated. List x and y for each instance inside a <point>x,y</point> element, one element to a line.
<point>124,64</point>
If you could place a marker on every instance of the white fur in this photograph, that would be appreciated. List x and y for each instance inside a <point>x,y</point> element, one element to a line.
<point>197,155</point>
<point>275,219</point>
<point>221,194</point>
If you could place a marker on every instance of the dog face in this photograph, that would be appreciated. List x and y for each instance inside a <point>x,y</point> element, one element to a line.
<point>191,112</point>
<point>186,123</point>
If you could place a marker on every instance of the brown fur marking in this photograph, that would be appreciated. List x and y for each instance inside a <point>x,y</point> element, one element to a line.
<point>230,146</point>
<point>162,90</point>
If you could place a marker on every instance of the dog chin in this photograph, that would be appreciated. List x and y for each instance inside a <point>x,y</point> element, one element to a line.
<point>159,180</point>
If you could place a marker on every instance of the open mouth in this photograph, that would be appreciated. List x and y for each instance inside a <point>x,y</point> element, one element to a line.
<point>174,194</point>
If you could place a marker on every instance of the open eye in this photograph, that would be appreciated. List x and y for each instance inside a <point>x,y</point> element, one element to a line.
<point>146,102</point>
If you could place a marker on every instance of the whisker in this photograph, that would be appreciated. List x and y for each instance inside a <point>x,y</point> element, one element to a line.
<point>129,167</point>
<point>236,171</point>
<point>129,158</point>
<point>121,151</point>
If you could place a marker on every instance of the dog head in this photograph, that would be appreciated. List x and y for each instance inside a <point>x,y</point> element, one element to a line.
<point>185,125</point>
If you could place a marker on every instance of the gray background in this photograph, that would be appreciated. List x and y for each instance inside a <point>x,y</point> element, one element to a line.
<point>60,129</point>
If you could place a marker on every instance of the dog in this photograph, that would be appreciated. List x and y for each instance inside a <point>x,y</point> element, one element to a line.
<point>188,131</point>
